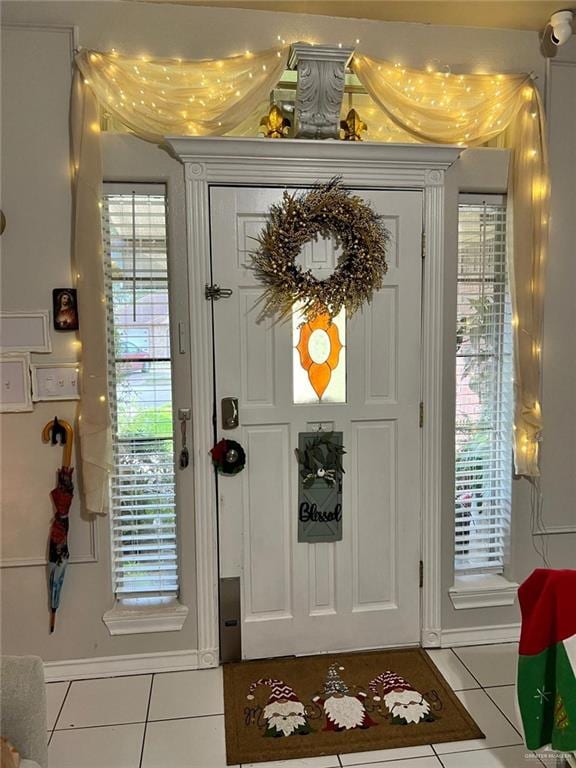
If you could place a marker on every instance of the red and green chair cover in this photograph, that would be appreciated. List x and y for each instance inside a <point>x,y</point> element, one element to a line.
<point>547,663</point>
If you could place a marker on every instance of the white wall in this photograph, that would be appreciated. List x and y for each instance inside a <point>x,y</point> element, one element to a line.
<point>37,259</point>
<point>559,450</point>
<point>558,482</point>
<point>36,251</point>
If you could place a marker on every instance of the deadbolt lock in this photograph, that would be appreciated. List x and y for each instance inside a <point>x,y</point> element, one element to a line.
<point>229,412</point>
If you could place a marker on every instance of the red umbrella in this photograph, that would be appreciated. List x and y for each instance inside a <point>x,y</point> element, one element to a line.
<point>59,431</point>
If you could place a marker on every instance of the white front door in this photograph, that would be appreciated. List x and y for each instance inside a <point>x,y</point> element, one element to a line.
<point>362,591</point>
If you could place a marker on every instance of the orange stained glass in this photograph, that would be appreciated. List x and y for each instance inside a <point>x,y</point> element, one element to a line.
<point>319,349</point>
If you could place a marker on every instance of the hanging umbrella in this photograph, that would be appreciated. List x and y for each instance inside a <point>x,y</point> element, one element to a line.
<point>58,556</point>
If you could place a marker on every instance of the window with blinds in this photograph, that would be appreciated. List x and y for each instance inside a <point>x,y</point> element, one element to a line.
<point>484,400</point>
<point>144,545</point>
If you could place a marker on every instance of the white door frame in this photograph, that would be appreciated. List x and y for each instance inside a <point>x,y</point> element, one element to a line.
<point>229,161</point>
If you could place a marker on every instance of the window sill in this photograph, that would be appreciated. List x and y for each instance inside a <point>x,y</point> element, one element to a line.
<point>482,591</point>
<point>136,616</point>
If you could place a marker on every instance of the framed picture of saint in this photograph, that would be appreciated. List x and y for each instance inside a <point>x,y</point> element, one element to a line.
<point>65,309</point>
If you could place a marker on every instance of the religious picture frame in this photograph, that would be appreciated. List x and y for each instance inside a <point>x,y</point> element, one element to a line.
<point>65,309</point>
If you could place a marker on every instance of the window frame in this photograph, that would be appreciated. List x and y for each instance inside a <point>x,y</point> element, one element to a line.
<point>153,613</point>
<point>504,313</point>
<point>477,590</point>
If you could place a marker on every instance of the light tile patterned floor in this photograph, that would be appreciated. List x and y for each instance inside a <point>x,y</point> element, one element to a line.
<point>175,720</point>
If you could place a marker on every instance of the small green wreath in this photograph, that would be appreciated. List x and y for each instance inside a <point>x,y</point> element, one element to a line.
<point>321,459</point>
<point>327,210</point>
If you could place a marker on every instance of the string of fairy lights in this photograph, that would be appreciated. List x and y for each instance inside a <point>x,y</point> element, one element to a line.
<point>161,96</point>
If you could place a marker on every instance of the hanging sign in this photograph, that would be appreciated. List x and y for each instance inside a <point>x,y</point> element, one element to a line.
<point>320,473</point>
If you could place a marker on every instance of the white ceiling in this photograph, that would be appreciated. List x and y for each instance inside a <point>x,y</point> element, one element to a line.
<point>510,14</point>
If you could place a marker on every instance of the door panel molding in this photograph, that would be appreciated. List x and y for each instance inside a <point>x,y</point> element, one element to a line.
<point>381,385</point>
<point>374,564</point>
<point>226,161</point>
<point>256,345</point>
<point>322,579</point>
<point>268,585</point>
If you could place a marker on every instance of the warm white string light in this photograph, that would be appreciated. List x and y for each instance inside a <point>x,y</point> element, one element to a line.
<point>156,97</point>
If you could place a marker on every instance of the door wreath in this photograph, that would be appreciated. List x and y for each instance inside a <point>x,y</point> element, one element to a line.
<point>228,457</point>
<point>327,210</point>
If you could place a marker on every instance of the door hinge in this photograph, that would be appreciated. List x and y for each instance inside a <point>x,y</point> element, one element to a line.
<point>214,292</point>
<point>421,419</point>
<point>421,574</point>
<point>423,244</point>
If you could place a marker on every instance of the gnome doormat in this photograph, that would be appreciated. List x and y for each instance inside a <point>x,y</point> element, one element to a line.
<point>279,709</point>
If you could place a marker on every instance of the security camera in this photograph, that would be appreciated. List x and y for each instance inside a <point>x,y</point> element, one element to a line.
<point>561,23</point>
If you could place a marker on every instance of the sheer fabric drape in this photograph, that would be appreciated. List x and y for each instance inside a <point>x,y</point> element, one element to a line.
<point>88,264</point>
<point>166,97</point>
<point>469,110</point>
<point>155,98</point>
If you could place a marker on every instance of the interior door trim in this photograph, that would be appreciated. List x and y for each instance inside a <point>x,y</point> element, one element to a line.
<point>222,160</point>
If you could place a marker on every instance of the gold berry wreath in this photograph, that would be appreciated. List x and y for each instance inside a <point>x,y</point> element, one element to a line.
<point>328,210</point>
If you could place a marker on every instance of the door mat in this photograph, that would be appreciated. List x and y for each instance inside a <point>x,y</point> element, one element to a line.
<point>278,709</point>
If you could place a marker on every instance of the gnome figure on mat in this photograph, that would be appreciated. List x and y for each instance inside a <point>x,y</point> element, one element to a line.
<point>284,713</point>
<point>343,711</point>
<point>404,704</point>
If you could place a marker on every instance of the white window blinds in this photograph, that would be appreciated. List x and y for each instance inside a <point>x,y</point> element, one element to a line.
<point>484,408</point>
<point>143,505</point>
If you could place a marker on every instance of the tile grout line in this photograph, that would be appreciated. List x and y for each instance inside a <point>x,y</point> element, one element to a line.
<point>450,686</point>
<point>504,713</point>
<point>483,688</point>
<point>138,722</point>
<point>389,760</point>
<point>467,669</point>
<point>146,720</point>
<point>479,688</point>
<point>478,749</point>
<point>59,711</point>
<point>437,755</point>
<point>183,717</point>
<point>100,725</point>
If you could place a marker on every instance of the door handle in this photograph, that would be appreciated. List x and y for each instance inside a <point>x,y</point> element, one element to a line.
<point>229,407</point>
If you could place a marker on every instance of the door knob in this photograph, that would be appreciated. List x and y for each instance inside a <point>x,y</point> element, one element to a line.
<point>229,412</point>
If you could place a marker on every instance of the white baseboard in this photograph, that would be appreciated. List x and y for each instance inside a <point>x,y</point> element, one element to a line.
<point>500,633</point>
<point>116,666</point>
<point>177,661</point>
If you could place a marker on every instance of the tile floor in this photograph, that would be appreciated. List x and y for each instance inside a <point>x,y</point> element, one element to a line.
<point>175,720</point>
